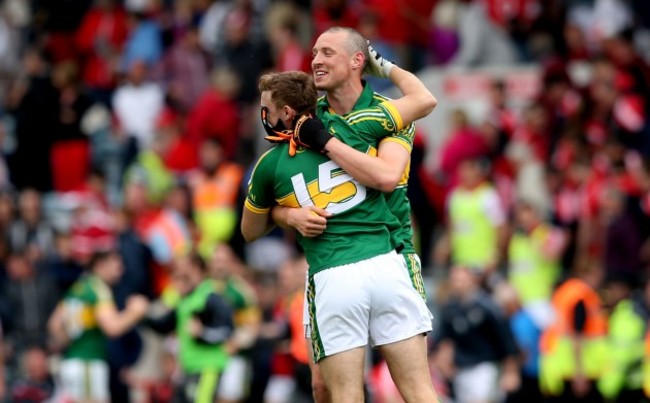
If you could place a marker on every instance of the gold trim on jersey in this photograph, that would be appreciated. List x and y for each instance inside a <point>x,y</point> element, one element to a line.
<point>289,200</point>
<point>399,141</point>
<point>255,209</point>
<point>394,113</point>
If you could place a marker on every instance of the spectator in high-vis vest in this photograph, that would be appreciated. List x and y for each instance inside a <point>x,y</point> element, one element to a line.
<point>534,253</point>
<point>476,218</point>
<point>574,346</point>
<point>229,273</point>
<point>203,322</point>
<point>215,189</point>
<point>621,380</point>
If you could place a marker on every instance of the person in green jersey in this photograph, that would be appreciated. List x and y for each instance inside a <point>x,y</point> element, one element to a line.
<point>359,288</point>
<point>81,323</point>
<point>228,272</point>
<point>354,100</point>
<point>202,321</point>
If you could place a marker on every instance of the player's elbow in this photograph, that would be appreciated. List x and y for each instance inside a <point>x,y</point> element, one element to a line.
<point>388,182</point>
<point>112,329</point>
<point>429,102</point>
<point>248,235</point>
<point>248,231</point>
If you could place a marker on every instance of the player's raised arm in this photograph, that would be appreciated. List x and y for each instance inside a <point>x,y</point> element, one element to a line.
<point>416,101</point>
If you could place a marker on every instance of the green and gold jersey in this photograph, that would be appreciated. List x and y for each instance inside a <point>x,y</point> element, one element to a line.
<point>368,117</point>
<point>80,303</point>
<point>241,297</point>
<point>361,225</point>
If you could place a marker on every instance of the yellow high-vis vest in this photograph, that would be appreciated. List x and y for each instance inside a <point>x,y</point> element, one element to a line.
<point>557,357</point>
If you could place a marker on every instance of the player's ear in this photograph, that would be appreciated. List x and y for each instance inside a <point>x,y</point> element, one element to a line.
<point>358,60</point>
<point>287,112</point>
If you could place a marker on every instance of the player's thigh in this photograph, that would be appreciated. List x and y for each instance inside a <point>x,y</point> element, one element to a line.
<point>71,378</point>
<point>233,382</point>
<point>338,309</point>
<point>98,376</point>
<point>408,364</point>
<point>398,310</point>
<point>343,374</point>
<point>84,380</point>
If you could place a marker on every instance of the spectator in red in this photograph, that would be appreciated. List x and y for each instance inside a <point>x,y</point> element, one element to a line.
<point>534,132</point>
<point>182,155</point>
<point>601,95</point>
<point>330,13</point>
<point>418,24</point>
<point>186,69</point>
<point>92,224</point>
<point>393,25</point>
<point>35,382</point>
<point>288,52</point>
<point>463,142</point>
<point>100,40</point>
<point>216,114</point>
<point>62,18</point>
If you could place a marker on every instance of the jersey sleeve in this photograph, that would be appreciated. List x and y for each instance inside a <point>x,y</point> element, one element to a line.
<point>260,197</point>
<point>103,294</point>
<point>381,120</point>
<point>384,123</point>
<point>403,137</point>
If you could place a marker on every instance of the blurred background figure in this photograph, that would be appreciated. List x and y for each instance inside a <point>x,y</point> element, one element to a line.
<point>533,261</point>
<point>83,321</point>
<point>215,191</point>
<point>527,334</point>
<point>203,323</point>
<point>476,349</point>
<point>573,347</point>
<point>35,382</point>
<point>476,219</point>
<point>132,125</point>
<point>230,274</point>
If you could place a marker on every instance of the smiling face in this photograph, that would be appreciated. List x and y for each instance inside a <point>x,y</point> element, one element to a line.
<point>333,64</point>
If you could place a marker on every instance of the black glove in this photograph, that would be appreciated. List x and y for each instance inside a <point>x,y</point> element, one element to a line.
<point>311,133</point>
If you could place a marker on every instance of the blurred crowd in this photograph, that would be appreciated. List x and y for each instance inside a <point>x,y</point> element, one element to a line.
<point>130,126</point>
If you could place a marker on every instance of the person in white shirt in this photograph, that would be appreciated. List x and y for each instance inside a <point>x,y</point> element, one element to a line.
<point>137,104</point>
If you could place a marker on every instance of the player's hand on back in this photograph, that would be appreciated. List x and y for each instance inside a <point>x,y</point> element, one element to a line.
<point>309,221</point>
<point>311,133</point>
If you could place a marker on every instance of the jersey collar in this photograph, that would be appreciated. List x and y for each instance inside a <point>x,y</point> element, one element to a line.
<point>364,101</point>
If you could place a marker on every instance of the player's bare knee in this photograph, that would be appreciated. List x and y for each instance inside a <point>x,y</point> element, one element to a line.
<point>320,392</point>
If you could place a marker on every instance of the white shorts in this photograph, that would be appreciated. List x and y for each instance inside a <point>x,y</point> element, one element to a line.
<point>374,301</point>
<point>233,384</point>
<point>84,380</point>
<point>477,384</point>
<point>280,389</point>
